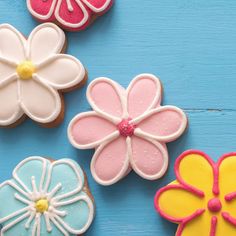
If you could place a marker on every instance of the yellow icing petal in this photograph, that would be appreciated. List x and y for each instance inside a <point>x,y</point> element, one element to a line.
<point>224,228</point>
<point>227,175</point>
<point>176,203</point>
<point>195,170</point>
<point>200,226</point>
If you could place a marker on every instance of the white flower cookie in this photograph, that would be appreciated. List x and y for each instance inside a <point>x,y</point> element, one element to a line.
<point>33,73</point>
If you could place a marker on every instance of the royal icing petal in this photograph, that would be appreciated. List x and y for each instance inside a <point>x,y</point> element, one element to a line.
<point>72,14</point>
<point>69,186</point>
<point>216,215</point>
<point>111,161</point>
<point>39,101</point>
<point>44,41</point>
<point>12,44</point>
<point>41,9</point>
<point>105,97</point>
<point>90,130</point>
<point>45,198</point>
<point>200,178</point>
<point>165,123</point>
<point>148,159</point>
<point>98,6</point>
<point>53,71</point>
<point>174,210</point>
<point>113,104</point>
<point>8,70</point>
<point>10,110</point>
<point>81,206</point>
<point>144,93</point>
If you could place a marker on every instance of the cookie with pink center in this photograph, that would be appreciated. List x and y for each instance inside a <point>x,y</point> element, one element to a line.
<point>202,198</point>
<point>72,15</point>
<point>128,128</point>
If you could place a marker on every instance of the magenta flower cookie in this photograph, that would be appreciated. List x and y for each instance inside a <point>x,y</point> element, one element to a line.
<point>73,15</point>
<point>128,128</point>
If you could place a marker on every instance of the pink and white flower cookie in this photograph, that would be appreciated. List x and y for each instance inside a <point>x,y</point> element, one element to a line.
<point>72,15</point>
<point>128,128</point>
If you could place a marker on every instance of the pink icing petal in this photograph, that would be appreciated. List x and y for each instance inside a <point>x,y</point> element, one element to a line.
<point>74,15</point>
<point>110,162</point>
<point>89,130</point>
<point>148,159</point>
<point>166,123</point>
<point>98,6</point>
<point>104,96</point>
<point>42,9</point>
<point>144,93</point>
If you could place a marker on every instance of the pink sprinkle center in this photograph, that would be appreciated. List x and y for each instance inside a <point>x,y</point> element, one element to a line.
<point>126,129</point>
<point>214,205</point>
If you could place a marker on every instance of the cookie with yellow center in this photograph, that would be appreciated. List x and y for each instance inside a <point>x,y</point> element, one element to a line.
<point>34,74</point>
<point>46,197</point>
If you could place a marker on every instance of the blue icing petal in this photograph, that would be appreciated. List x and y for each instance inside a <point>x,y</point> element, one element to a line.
<point>18,229</point>
<point>7,194</point>
<point>77,213</point>
<point>32,166</point>
<point>63,173</point>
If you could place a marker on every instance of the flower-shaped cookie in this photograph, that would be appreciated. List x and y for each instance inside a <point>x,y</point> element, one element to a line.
<point>128,128</point>
<point>72,15</point>
<point>202,199</point>
<point>31,73</point>
<point>45,198</point>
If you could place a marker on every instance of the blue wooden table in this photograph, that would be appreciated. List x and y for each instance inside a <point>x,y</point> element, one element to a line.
<point>191,46</point>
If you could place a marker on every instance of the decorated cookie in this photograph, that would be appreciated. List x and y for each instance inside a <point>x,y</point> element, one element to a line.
<point>73,15</point>
<point>34,73</point>
<point>49,198</point>
<point>202,199</point>
<point>128,128</point>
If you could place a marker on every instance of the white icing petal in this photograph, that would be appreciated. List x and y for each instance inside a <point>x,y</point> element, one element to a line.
<point>7,70</point>
<point>39,101</point>
<point>44,41</point>
<point>61,71</point>
<point>12,44</point>
<point>10,110</point>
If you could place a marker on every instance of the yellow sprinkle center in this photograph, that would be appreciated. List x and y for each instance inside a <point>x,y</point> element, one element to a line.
<point>41,205</point>
<point>25,70</point>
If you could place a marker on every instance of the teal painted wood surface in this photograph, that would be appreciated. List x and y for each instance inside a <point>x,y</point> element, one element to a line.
<point>191,46</point>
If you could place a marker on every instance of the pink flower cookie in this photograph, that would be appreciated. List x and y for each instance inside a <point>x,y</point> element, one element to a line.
<point>128,128</point>
<point>202,199</point>
<point>73,15</point>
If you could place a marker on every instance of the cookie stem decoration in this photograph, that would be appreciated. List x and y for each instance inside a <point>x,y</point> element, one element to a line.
<point>34,73</point>
<point>73,15</point>
<point>128,128</point>
<point>49,198</point>
<point>202,199</point>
